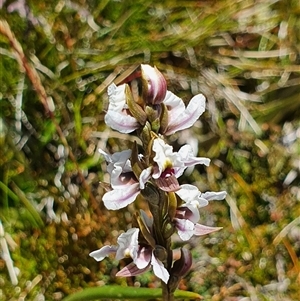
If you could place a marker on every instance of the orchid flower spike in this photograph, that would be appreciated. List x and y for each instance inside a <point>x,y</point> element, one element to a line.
<point>151,168</point>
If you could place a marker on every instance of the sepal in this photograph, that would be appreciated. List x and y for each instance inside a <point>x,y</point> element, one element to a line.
<point>145,231</point>
<point>180,268</point>
<point>183,264</point>
<point>164,118</point>
<point>136,110</point>
<point>172,205</point>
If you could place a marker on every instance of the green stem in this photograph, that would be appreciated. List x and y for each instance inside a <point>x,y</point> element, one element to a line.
<point>158,219</point>
<point>167,295</point>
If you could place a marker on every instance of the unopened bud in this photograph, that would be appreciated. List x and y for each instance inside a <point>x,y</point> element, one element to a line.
<point>168,229</point>
<point>153,115</point>
<point>145,134</point>
<point>160,253</point>
<point>154,85</point>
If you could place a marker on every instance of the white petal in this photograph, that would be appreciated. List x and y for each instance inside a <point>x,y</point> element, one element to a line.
<point>117,97</point>
<point>192,213</point>
<point>159,270</point>
<point>128,244</point>
<point>122,159</point>
<point>108,157</point>
<point>118,159</point>
<point>187,156</point>
<point>120,198</point>
<point>103,252</point>
<point>185,228</point>
<point>143,257</point>
<point>188,117</point>
<point>145,176</point>
<point>115,173</point>
<point>119,164</point>
<point>175,105</point>
<point>188,193</point>
<point>121,122</point>
<point>201,202</point>
<point>164,157</point>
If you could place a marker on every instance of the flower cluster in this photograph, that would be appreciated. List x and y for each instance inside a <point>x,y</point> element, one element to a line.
<point>146,107</point>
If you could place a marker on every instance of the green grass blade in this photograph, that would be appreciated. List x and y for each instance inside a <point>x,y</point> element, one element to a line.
<point>17,195</point>
<point>131,293</point>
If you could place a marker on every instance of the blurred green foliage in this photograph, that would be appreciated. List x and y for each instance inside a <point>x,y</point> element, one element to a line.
<point>243,55</point>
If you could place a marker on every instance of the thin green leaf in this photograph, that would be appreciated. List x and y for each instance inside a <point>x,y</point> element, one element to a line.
<point>131,293</point>
<point>17,194</point>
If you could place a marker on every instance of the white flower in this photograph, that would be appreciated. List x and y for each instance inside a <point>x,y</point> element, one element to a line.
<point>187,215</point>
<point>145,259</point>
<point>171,165</point>
<point>186,223</point>
<point>124,183</point>
<point>191,195</point>
<point>127,246</point>
<point>142,255</point>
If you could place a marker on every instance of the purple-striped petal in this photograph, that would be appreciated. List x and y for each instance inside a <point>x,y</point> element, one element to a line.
<point>121,122</point>
<point>132,270</point>
<point>203,230</point>
<point>120,198</point>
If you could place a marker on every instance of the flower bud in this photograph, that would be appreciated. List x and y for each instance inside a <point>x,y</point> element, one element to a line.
<point>168,229</point>
<point>153,114</point>
<point>160,253</point>
<point>154,85</point>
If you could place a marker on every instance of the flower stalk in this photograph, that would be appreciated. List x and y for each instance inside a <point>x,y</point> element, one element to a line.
<point>145,107</point>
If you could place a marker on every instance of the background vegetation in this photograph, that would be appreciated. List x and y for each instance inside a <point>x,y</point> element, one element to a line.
<point>54,70</point>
